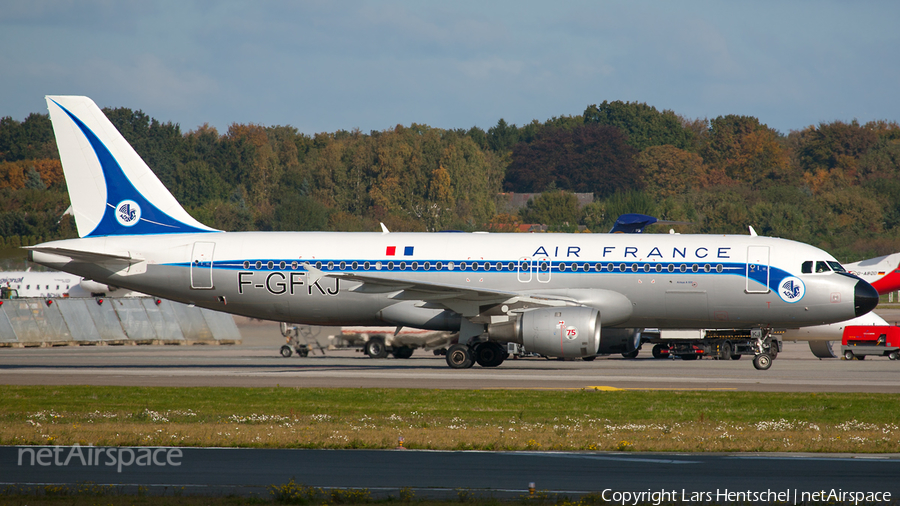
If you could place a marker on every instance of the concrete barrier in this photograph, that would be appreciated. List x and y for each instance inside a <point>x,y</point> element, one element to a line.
<point>132,320</point>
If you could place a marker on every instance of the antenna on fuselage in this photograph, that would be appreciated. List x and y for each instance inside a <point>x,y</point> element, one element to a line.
<point>384,229</point>
<point>752,232</point>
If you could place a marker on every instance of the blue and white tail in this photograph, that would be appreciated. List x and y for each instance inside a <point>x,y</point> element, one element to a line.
<point>112,190</point>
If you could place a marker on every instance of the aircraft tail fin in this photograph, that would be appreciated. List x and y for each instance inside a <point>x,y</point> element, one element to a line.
<point>113,192</point>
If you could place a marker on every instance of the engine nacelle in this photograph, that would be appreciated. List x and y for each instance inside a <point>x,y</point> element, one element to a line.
<point>555,332</point>
<point>92,286</point>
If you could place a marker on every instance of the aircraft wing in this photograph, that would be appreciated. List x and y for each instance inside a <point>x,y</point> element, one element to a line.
<point>468,301</point>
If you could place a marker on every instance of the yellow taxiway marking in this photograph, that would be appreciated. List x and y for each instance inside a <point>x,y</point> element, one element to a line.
<point>604,388</point>
<point>607,388</point>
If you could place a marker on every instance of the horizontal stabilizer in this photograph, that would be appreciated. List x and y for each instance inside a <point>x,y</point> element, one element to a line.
<point>85,256</point>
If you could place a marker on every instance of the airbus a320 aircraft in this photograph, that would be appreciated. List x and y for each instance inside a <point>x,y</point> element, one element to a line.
<point>883,273</point>
<point>559,295</point>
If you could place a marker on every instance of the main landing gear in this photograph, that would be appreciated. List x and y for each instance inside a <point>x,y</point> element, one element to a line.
<point>485,354</point>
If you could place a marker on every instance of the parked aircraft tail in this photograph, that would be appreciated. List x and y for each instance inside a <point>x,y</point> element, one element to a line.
<point>883,273</point>
<point>112,190</point>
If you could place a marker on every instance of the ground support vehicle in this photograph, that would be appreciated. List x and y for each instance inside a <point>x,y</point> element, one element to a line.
<point>376,342</point>
<point>762,344</point>
<point>302,339</point>
<point>878,340</point>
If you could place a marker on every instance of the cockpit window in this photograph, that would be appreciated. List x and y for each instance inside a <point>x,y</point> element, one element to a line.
<point>836,267</point>
<point>822,267</point>
<point>807,267</point>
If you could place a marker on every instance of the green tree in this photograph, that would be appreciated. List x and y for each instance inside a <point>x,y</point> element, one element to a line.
<point>32,138</point>
<point>553,208</point>
<point>502,136</point>
<point>33,179</point>
<point>836,145</point>
<point>644,125</point>
<point>587,158</point>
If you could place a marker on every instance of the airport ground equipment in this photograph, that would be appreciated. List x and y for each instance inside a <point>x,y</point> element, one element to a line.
<point>301,339</point>
<point>374,341</point>
<point>881,340</point>
<point>717,344</point>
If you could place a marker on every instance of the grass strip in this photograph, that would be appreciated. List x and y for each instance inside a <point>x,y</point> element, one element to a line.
<point>450,419</point>
<point>287,493</point>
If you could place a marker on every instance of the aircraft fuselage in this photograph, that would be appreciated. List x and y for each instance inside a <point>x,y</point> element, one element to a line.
<point>663,281</point>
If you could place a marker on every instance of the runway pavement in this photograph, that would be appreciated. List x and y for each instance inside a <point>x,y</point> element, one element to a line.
<point>256,362</point>
<point>445,473</point>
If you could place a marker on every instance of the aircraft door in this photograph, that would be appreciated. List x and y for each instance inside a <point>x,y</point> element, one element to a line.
<point>202,265</point>
<point>524,270</point>
<point>544,268</point>
<point>757,269</point>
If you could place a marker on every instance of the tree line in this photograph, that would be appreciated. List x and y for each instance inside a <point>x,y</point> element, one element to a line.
<point>834,185</point>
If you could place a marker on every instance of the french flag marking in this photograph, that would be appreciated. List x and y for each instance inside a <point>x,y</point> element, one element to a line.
<point>392,251</point>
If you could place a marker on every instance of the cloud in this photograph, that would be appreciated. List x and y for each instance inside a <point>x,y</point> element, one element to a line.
<point>150,81</point>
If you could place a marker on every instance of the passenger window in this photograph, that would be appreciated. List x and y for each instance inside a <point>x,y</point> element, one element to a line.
<point>807,267</point>
<point>822,267</point>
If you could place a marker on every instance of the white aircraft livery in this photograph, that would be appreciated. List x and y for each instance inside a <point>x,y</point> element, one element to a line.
<point>39,284</point>
<point>560,295</point>
<point>883,273</point>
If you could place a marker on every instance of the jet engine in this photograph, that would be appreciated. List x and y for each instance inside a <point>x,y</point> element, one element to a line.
<point>93,287</point>
<point>557,332</point>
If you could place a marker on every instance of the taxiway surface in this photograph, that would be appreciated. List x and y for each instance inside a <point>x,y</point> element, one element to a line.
<point>256,362</point>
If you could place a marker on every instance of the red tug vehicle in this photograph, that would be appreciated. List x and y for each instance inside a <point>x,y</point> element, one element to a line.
<point>881,340</point>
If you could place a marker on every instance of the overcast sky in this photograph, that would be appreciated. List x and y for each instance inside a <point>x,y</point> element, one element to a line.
<point>324,66</point>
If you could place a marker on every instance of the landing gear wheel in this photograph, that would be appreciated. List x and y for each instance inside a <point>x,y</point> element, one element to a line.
<point>459,356</point>
<point>302,352</point>
<point>286,351</point>
<point>402,352</point>
<point>489,354</point>
<point>589,359</point>
<point>894,355</point>
<point>762,361</point>
<point>736,357</point>
<point>773,350</point>
<point>660,351</point>
<point>726,350</point>
<point>632,354</point>
<point>375,348</point>
<point>848,355</point>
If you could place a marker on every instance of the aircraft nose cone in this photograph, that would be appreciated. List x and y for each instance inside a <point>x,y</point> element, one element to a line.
<point>865,298</point>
